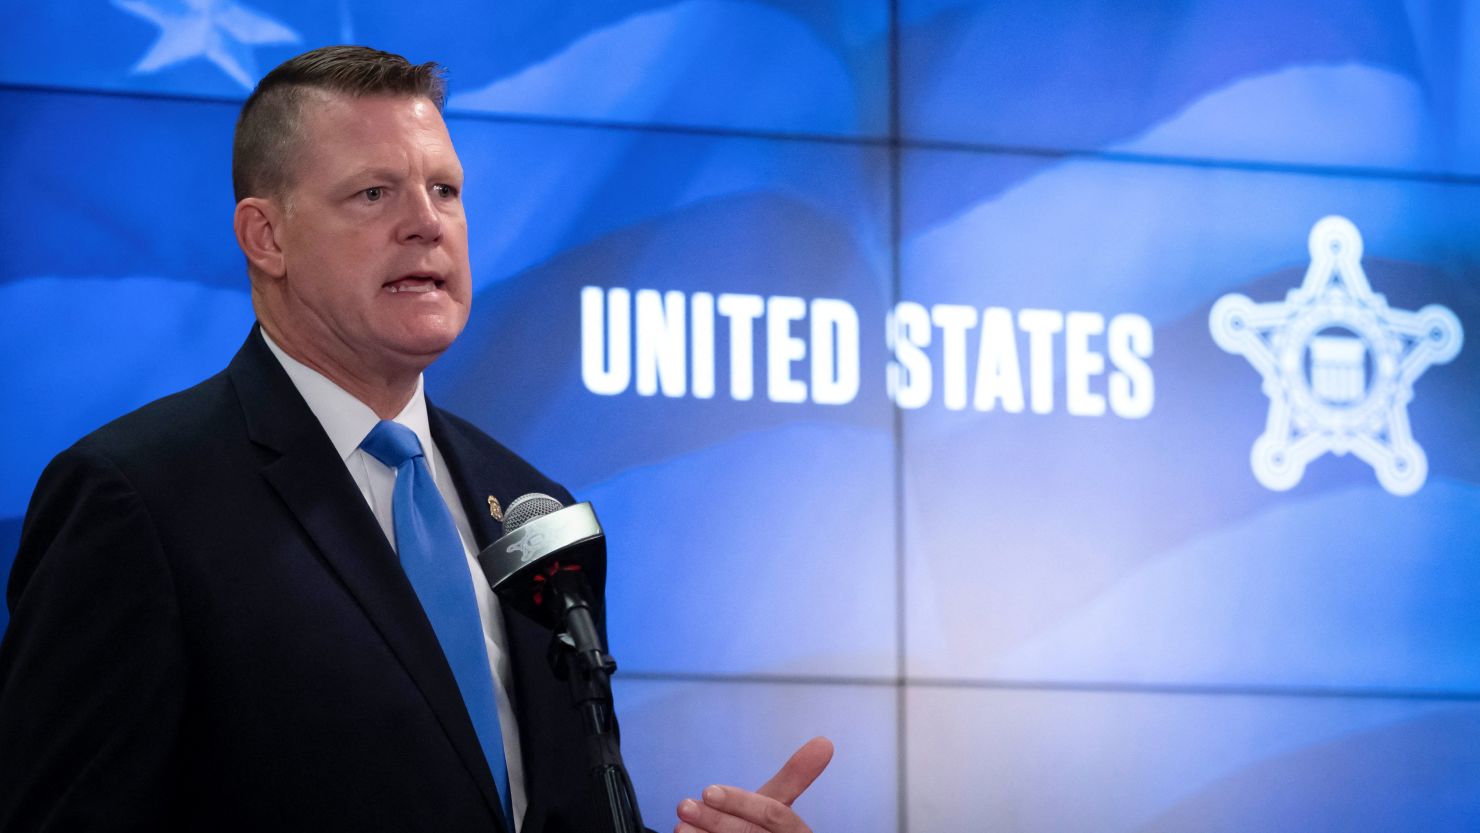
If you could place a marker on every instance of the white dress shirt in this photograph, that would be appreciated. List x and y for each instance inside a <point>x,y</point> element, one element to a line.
<point>347,420</point>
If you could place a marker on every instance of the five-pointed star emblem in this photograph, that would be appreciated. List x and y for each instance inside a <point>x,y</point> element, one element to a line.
<point>1338,365</point>
<point>221,31</point>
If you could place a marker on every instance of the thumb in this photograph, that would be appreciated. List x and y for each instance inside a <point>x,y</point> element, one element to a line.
<point>799,771</point>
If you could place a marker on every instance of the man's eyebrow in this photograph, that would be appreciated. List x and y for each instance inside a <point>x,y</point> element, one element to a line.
<point>372,175</point>
<point>383,174</point>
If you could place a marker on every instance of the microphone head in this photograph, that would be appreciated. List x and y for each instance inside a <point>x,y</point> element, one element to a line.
<point>542,537</point>
<point>526,508</point>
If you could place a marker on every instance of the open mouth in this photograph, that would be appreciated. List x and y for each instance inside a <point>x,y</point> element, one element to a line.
<point>415,283</point>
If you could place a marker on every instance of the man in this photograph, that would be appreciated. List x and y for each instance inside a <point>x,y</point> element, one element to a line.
<point>253,605</point>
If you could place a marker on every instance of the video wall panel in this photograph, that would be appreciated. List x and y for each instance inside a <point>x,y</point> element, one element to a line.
<point>792,66</point>
<point>123,282</point>
<point>728,290</point>
<point>1315,82</point>
<point>1072,376</point>
<point>1085,761</point>
<point>688,734</point>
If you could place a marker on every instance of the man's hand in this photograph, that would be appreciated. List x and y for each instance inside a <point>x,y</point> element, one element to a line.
<point>767,810</point>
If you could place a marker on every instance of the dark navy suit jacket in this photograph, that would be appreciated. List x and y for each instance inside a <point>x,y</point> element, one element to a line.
<point>209,631</point>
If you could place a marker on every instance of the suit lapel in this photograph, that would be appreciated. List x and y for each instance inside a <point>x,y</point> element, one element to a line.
<point>313,482</point>
<point>477,478</point>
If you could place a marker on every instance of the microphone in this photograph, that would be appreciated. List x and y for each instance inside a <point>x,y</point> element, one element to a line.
<point>540,567</point>
<point>543,540</point>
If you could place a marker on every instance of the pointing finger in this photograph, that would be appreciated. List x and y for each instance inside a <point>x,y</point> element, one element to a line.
<point>799,771</point>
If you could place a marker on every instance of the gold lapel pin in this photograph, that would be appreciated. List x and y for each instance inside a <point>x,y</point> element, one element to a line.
<point>494,510</point>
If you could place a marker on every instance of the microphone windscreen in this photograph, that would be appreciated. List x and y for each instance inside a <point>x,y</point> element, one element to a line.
<point>526,508</point>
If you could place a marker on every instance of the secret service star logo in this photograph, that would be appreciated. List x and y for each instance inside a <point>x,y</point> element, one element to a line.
<point>1338,365</point>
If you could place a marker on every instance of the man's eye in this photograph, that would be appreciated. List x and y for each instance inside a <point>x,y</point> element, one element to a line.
<point>445,190</point>
<point>373,194</point>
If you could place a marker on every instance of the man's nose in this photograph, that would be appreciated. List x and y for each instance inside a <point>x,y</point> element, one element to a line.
<point>422,223</point>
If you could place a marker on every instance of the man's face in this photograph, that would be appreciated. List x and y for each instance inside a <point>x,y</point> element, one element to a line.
<point>374,239</point>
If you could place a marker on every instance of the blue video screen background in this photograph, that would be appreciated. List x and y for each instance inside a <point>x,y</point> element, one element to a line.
<point>881,337</point>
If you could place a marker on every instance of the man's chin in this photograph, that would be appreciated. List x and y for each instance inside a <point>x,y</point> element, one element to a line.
<point>425,343</point>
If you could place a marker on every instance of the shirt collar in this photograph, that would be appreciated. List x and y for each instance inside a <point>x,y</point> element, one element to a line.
<point>346,419</point>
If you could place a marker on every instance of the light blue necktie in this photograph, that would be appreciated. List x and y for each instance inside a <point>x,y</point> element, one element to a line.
<point>432,556</point>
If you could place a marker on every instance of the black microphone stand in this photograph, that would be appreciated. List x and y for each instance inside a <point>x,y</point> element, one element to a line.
<point>540,567</point>
<point>587,669</point>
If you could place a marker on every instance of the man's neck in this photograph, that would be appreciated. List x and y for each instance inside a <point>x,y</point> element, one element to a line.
<point>384,393</point>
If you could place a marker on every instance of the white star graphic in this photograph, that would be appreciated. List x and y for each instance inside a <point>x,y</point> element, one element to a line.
<point>1338,365</point>
<point>222,31</point>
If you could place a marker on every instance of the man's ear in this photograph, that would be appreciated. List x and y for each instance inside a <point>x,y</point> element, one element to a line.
<point>256,223</point>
